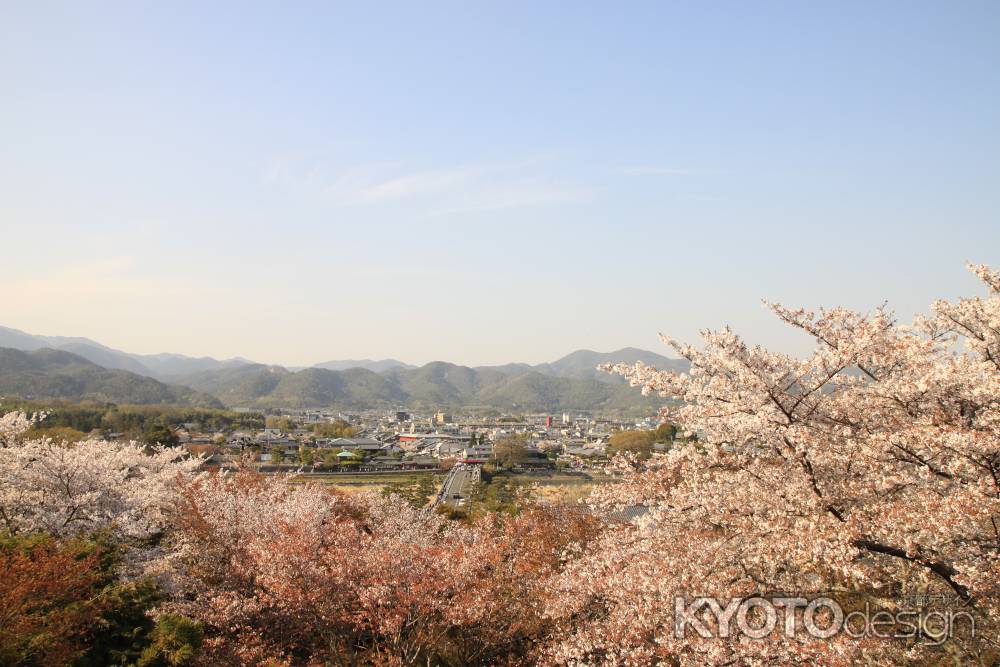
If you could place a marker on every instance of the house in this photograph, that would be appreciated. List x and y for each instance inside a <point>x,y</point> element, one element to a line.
<point>585,452</point>
<point>385,462</point>
<point>479,452</point>
<point>420,463</point>
<point>360,444</point>
<point>446,449</point>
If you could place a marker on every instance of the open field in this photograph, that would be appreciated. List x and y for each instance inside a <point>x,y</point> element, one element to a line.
<point>551,478</point>
<point>366,481</point>
<point>563,487</point>
<point>550,486</point>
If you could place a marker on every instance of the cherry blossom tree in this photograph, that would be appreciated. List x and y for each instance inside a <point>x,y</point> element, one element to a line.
<point>870,468</point>
<point>300,574</point>
<point>65,489</point>
<point>13,425</point>
<point>867,472</point>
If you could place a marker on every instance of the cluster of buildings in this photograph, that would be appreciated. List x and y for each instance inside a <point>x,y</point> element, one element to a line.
<point>400,440</point>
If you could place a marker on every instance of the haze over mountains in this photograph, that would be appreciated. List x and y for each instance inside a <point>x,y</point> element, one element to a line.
<point>49,373</point>
<point>158,366</point>
<point>369,364</point>
<point>79,368</point>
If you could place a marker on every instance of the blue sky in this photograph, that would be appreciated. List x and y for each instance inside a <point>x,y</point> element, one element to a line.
<point>487,182</point>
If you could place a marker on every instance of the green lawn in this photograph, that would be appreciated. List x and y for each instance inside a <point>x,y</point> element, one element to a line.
<point>563,479</point>
<point>372,479</point>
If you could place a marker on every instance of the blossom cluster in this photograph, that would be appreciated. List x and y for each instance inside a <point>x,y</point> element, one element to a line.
<point>63,490</point>
<point>871,467</point>
<point>867,472</point>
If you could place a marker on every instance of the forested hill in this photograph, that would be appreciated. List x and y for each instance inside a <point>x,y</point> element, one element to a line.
<point>79,368</point>
<point>48,373</point>
<point>572,385</point>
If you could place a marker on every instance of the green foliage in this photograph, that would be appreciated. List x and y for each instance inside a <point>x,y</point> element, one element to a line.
<point>666,432</point>
<point>56,433</point>
<point>336,429</point>
<point>417,492</point>
<point>174,642</point>
<point>639,443</point>
<point>119,628</point>
<point>48,597</point>
<point>306,455</point>
<point>130,420</point>
<point>123,629</point>
<point>453,513</point>
<point>510,451</point>
<point>277,454</point>
<point>161,434</point>
<point>280,422</point>
<point>501,494</point>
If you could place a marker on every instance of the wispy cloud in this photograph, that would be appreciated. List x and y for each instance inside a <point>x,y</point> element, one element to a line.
<point>647,170</point>
<point>432,182</point>
<point>431,192</point>
<point>509,195</point>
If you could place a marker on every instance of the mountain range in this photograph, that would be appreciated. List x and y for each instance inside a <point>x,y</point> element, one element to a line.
<point>47,373</point>
<point>376,366</point>
<point>159,366</point>
<point>77,368</point>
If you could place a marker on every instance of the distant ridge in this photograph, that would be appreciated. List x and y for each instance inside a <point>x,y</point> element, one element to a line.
<point>569,383</point>
<point>367,364</point>
<point>159,366</point>
<point>47,373</point>
<point>584,363</point>
<point>437,385</point>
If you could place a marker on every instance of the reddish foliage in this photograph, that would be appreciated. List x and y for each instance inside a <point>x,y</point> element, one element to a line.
<point>47,602</point>
<point>277,572</point>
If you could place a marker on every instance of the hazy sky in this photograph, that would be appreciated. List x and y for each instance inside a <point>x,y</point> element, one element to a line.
<point>486,182</point>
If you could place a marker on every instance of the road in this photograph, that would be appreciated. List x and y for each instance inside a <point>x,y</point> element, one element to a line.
<point>459,483</point>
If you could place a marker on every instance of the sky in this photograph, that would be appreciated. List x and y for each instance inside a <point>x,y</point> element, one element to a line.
<point>487,182</point>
